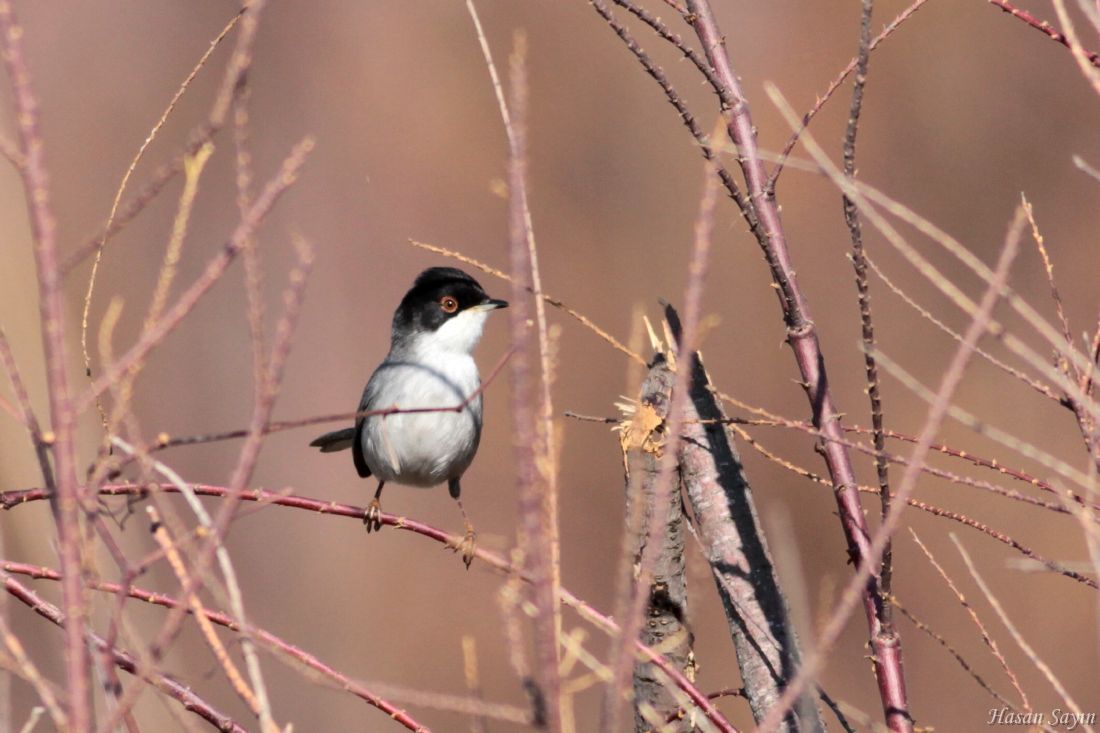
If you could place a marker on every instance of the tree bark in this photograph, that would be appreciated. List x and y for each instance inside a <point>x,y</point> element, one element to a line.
<point>665,628</point>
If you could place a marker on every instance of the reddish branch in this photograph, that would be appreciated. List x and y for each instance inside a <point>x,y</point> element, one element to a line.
<point>267,638</point>
<point>66,503</point>
<point>802,336</point>
<point>952,377</point>
<point>12,499</point>
<point>190,701</point>
<point>1043,27</point>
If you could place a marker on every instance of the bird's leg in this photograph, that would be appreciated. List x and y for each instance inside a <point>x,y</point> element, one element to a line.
<point>373,520</point>
<point>469,540</point>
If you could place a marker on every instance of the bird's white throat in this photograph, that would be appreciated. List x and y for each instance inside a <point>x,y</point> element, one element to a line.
<point>459,334</point>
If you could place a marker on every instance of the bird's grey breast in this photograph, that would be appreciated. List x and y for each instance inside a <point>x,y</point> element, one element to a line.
<point>422,448</point>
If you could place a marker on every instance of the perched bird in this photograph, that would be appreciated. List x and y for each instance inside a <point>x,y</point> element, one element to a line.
<point>429,365</point>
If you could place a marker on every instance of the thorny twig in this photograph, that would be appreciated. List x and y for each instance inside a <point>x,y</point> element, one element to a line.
<point>803,340</point>
<point>405,524</point>
<point>900,718</point>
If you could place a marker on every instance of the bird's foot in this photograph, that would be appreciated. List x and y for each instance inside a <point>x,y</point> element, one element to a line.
<point>373,520</point>
<point>467,545</point>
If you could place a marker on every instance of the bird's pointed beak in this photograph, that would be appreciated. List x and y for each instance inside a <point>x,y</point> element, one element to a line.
<point>493,304</point>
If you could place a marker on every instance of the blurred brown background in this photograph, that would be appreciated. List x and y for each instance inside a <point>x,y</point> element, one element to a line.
<point>966,107</point>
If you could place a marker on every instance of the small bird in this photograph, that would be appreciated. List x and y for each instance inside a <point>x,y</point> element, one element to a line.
<point>429,365</point>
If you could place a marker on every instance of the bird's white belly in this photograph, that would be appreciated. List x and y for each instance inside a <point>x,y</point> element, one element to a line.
<point>426,448</point>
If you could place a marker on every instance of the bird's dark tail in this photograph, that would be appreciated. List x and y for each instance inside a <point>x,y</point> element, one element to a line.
<point>334,441</point>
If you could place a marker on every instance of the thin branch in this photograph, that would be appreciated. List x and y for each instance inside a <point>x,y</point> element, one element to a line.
<point>66,503</point>
<point>986,638</point>
<point>546,456</point>
<point>188,699</point>
<point>582,319</point>
<point>657,73</point>
<point>822,99</point>
<point>952,377</point>
<point>215,268</point>
<point>535,535</point>
<point>270,640</point>
<point>859,263</point>
<point>1043,27</point>
<point>803,339</point>
<point>126,179</point>
<point>1035,384</point>
<point>1024,646</point>
<point>406,524</point>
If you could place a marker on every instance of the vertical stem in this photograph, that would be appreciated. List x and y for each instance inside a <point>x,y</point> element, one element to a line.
<point>802,336</point>
<point>859,263</point>
<point>62,419</point>
<point>536,544</point>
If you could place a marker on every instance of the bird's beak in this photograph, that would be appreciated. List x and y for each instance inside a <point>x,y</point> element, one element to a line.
<point>493,304</point>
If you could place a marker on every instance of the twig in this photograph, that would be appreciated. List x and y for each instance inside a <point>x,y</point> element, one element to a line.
<point>986,638</point>
<point>160,179</point>
<point>657,73</point>
<point>1075,400</point>
<point>822,99</point>
<point>939,639</point>
<point>126,179</point>
<point>213,272</point>
<point>899,719</point>
<point>253,268</point>
<point>1060,568</point>
<point>30,672</point>
<point>231,582</point>
<point>405,524</point>
<point>803,340</point>
<point>190,701</point>
<point>66,503</point>
<point>535,535</point>
<point>584,320</point>
<point>166,441</point>
<point>865,195</point>
<point>951,476</point>
<point>547,453</point>
<point>859,263</point>
<point>1024,646</point>
<point>473,682</point>
<point>1043,27</point>
<point>246,462</point>
<point>175,561</point>
<point>1012,371</point>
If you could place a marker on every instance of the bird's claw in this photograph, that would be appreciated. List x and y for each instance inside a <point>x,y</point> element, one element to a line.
<point>373,519</point>
<point>467,546</point>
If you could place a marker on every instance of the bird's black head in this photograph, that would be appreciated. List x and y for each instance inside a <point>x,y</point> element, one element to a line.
<point>447,306</point>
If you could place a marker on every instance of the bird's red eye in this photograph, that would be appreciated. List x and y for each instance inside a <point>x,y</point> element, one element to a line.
<point>448,304</point>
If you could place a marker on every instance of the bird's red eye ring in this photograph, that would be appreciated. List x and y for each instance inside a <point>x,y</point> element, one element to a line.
<point>448,304</point>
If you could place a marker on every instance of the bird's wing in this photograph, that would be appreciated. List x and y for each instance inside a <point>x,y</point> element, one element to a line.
<point>357,442</point>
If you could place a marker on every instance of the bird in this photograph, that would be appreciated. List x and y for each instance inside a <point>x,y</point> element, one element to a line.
<point>430,365</point>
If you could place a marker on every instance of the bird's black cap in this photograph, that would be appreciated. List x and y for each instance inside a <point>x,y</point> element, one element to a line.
<point>437,295</point>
